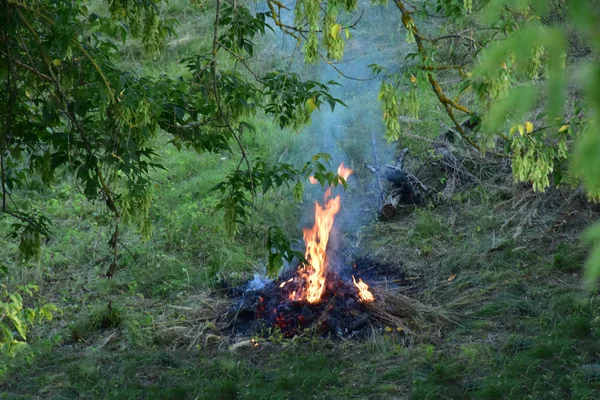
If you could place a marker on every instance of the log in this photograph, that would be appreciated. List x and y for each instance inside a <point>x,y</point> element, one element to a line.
<point>406,187</point>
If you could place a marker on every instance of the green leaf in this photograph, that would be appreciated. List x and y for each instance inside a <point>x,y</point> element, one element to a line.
<point>266,184</point>
<point>592,266</point>
<point>17,301</point>
<point>335,31</point>
<point>274,264</point>
<point>298,190</point>
<point>517,103</point>
<point>20,326</point>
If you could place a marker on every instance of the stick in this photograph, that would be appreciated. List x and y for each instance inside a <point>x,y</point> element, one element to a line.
<point>401,157</point>
<point>375,170</point>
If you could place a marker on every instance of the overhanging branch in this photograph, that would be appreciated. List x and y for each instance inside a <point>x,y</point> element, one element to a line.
<point>448,104</point>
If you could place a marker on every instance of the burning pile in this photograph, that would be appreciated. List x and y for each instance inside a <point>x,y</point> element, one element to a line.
<point>313,295</point>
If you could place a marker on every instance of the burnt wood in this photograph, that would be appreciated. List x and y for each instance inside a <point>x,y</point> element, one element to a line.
<point>406,187</point>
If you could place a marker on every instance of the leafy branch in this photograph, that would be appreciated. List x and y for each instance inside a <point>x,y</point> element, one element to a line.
<point>64,100</point>
<point>448,104</point>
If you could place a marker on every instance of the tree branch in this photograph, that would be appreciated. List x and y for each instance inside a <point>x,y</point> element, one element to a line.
<point>213,63</point>
<point>63,103</point>
<point>29,68</point>
<point>9,105</point>
<point>73,40</point>
<point>448,104</point>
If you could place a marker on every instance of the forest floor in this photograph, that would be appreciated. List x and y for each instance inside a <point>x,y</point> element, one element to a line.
<point>514,318</point>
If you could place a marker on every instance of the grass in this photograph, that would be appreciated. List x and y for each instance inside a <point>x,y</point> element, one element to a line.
<point>520,327</point>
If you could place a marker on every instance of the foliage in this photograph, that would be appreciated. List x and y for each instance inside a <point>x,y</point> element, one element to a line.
<point>291,101</point>
<point>16,319</point>
<point>70,107</point>
<point>391,111</point>
<point>238,207</point>
<point>513,317</point>
<point>505,83</point>
<point>512,63</point>
<point>281,249</point>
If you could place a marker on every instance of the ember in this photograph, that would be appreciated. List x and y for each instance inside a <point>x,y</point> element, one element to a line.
<point>341,313</point>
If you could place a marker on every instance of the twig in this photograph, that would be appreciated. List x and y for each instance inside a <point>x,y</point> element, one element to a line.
<point>241,60</point>
<point>339,71</point>
<point>376,169</point>
<point>125,247</point>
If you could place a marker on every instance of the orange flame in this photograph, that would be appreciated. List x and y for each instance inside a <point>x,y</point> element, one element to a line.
<point>364,294</point>
<point>316,239</point>
<point>343,171</point>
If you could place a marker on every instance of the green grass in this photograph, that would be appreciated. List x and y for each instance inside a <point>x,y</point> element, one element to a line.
<point>518,328</point>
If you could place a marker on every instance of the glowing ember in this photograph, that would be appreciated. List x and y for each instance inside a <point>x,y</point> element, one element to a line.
<point>363,291</point>
<point>288,281</point>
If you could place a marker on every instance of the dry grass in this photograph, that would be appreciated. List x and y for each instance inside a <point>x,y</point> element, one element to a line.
<point>197,322</point>
<point>395,309</point>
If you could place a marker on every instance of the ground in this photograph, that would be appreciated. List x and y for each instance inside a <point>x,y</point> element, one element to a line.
<point>507,316</point>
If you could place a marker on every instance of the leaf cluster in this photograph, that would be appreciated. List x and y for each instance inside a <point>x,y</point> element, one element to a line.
<point>70,107</point>
<point>16,319</point>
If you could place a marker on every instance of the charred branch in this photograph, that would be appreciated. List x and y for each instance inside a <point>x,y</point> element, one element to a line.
<point>406,187</point>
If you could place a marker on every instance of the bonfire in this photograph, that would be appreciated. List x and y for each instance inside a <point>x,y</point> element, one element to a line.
<point>311,279</point>
<point>316,295</point>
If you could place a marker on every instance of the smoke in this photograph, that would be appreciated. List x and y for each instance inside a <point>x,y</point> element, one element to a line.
<point>345,133</point>
<point>258,282</point>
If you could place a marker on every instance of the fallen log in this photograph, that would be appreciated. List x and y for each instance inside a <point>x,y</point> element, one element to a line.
<point>406,188</point>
